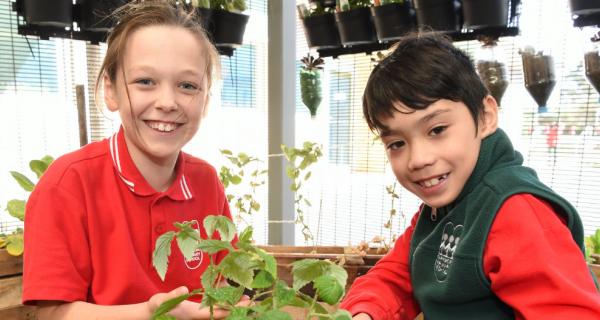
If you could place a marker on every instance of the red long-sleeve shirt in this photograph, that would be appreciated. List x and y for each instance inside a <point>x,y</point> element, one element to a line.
<point>530,258</point>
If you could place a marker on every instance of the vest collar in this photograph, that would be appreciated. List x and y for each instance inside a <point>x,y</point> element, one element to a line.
<point>133,179</point>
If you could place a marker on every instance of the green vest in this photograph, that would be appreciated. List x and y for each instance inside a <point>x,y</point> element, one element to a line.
<point>446,252</point>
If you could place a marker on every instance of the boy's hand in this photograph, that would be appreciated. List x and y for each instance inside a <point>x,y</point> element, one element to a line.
<point>188,310</point>
<point>362,316</point>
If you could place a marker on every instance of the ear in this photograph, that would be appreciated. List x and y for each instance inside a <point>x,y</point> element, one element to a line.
<point>488,121</point>
<point>110,94</point>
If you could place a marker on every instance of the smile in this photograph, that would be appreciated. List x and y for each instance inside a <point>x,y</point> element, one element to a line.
<point>162,126</point>
<point>433,181</point>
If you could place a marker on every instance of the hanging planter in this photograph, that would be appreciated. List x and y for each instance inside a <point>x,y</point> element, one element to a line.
<point>491,68</point>
<point>55,13</point>
<point>439,15</point>
<point>480,14</point>
<point>584,7</point>
<point>392,20</point>
<point>321,31</point>
<point>592,64</point>
<point>538,71</point>
<point>355,26</point>
<point>229,27</point>
<point>310,83</point>
<point>95,15</point>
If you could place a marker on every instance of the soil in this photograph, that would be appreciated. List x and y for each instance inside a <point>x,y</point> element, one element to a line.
<point>592,69</point>
<point>493,74</point>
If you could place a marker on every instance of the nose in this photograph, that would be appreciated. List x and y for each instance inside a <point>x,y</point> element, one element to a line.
<point>420,156</point>
<point>166,99</point>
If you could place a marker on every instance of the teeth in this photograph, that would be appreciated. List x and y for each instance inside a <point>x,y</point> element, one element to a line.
<point>161,126</point>
<point>432,182</point>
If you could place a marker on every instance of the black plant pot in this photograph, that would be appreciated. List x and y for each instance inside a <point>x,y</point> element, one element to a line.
<point>485,13</point>
<point>206,20</point>
<point>229,28</point>
<point>392,20</point>
<point>55,13</point>
<point>585,7</point>
<point>96,14</point>
<point>355,26</point>
<point>321,32</point>
<point>592,68</point>
<point>538,72</point>
<point>439,15</point>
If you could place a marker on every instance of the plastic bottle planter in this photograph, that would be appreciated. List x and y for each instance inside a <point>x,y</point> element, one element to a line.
<point>229,27</point>
<point>592,68</point>
<point>55,13</point>
<point>493,74</point>
<point>355,26</point>
<point>95,15</point>
<point>310,89</point>
<point>439,15</point>
<point>392,20</point>
<point>321,31</point>
<point>538,71</point>
<point>489,13</point>
<point>585,7</point>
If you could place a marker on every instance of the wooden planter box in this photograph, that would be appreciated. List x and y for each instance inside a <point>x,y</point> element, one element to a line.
<point>11,269</point>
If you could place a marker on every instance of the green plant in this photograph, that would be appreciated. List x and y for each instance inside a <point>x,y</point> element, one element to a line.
<point>228,5</point>
<point>384,2</point>
<point>310,83</point>
<point>299,160</point>
<point>346,5</point>
<point>245,203</point>
<point>14,242</point>
<point>249,267</point>
<point>592,246</point>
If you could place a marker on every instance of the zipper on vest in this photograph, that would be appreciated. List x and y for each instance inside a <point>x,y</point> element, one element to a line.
<point>433,214</point>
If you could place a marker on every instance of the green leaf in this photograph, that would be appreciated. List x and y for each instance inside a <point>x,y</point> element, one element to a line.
<point>222,224</point>
<point>212,246</point>
<point>162,251</point>
<point>339,273</point>
<point>329,289</point>
<point>283,294</point>
<point>239,267</point>
<point>238,313</point>
<point>226,152</point>
<point>38,167</point>
<point>47,159</point>
<point>270,262</point>
<point>276,315</point>
<point>23,181</point>
<point>14,245</point>
<point>225,295</point>
<point>246,235</point>
<point>307,270</point>
<point>235,179</point>
<point>209,276</point>
<point>262,280</point>
<point>341,314</point>
<point>165,317</point>
<point>187,245</point>
<point>169,305</point>
<point>16,208</point>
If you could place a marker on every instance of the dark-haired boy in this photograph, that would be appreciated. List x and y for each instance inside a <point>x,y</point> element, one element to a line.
<point>490,241</point>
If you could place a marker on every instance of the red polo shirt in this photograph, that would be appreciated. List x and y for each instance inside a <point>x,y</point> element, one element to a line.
<point>92,222</point>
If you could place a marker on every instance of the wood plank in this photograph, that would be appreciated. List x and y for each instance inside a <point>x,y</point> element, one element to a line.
<point>10,265</point>
<point>18,313</point>
<point>10,292</point>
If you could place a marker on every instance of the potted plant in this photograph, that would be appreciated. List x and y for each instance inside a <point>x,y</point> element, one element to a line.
<point>592,252</point>
<point>319,26</point>
<point>437,15</point>
<point>392,19</point>
<point>250,269</point>
<point>95,15</point>
<point>491,67</point>
<point>538,72</point>
<point>56,13</point>
<point>479,14</point>
<point>223,20</point>
<point>355,23</point>
<point>11,248</point>
<point>310,83</point>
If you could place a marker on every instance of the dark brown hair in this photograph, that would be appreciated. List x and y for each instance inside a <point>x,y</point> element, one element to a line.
<point>420,70</point>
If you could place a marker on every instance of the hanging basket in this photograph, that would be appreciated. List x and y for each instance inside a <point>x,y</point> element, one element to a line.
<point>355,26</point>
<point>585,7</point>
<point>480,14</point>
<point>321,32</point>
<point>538,72</point>
<point>392,20</point>
<point>439,15</point>
<point>592,68</point>
<point>229,28</point>
<point>55,13</point>
<point>95,14</point>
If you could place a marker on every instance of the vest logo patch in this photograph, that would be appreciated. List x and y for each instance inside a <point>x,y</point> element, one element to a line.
<point>449,242</point>
<point>196,260</point>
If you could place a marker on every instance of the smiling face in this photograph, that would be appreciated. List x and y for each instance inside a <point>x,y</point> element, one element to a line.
<point>433,151</point>
<point>160,91</point>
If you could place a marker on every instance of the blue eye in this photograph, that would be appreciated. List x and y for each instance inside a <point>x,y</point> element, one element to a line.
<point>437,130</point>
<point>189,86</point>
